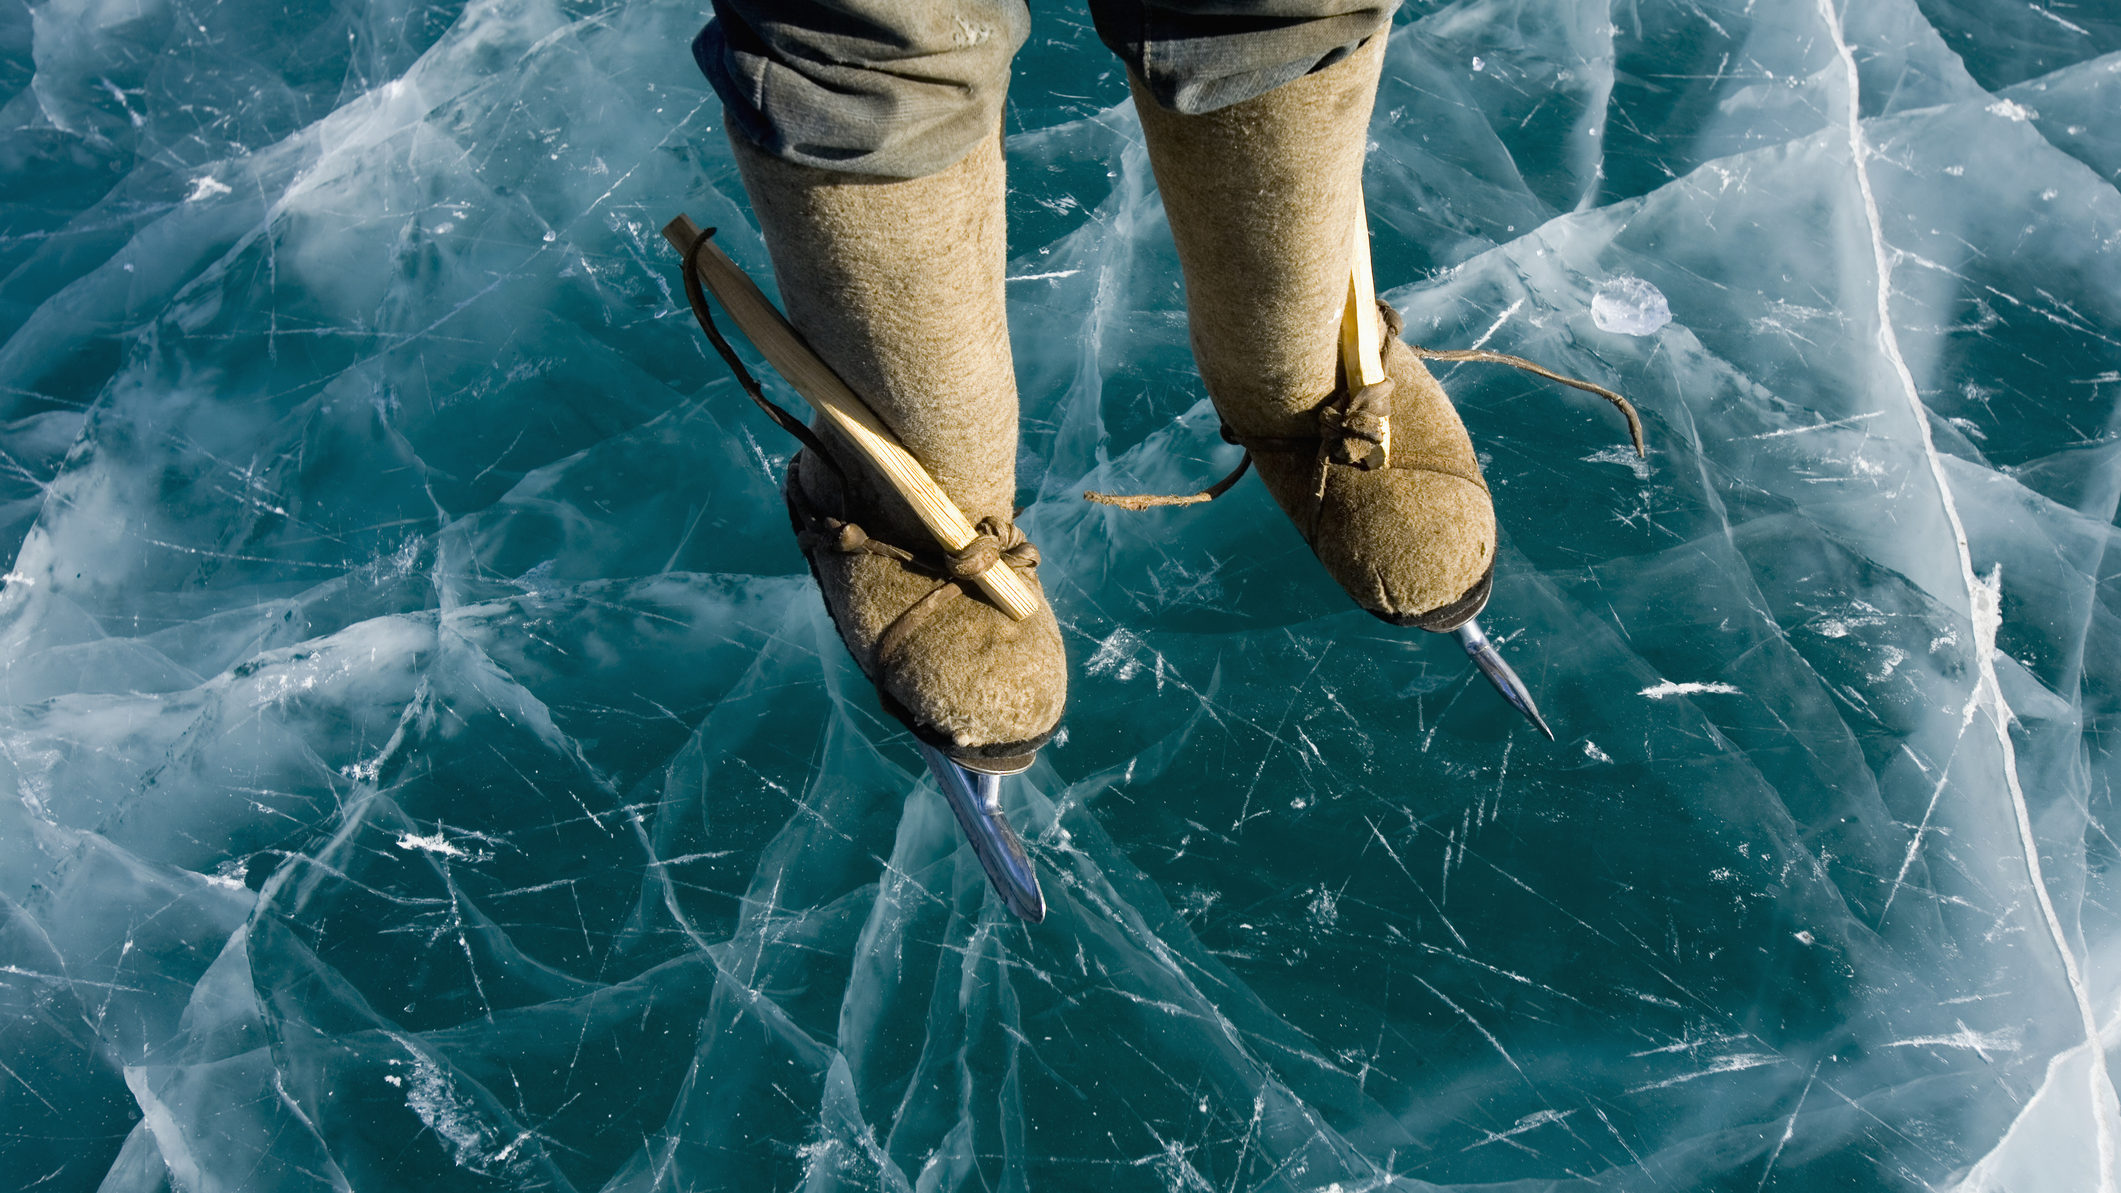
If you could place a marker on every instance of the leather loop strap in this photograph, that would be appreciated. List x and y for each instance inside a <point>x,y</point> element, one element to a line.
<point>697,296</point>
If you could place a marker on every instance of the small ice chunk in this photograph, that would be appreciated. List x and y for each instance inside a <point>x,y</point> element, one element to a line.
<point>1659,691</point>
<point>436,843</point>
<point>206,186</point>
<point>2011,109</point>
<point>1630,306</point>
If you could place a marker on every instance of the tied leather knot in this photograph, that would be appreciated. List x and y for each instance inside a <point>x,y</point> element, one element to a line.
<point>1358,432</point>
<point>997,542</point>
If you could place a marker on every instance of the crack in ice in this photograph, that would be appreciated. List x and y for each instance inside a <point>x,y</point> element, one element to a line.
<point>1984,599</point>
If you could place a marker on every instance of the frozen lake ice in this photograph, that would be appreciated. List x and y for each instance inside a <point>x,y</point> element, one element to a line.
<point>427,764</point>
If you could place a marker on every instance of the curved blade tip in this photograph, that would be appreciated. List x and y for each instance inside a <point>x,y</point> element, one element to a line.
<point>975,799</point>
<point>1498,670</point>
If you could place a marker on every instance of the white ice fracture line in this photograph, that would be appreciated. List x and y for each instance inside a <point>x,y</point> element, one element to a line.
<point>1985,605</point>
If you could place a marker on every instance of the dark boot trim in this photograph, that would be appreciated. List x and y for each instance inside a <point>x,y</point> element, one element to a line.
<point>1445,618</point>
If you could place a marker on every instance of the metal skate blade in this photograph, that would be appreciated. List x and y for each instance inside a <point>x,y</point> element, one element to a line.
<point>1491,664</point>
<point>976,800</point>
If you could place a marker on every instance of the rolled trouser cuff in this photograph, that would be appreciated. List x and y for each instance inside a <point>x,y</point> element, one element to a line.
<point>1196,58</point>
<point>874,87</point>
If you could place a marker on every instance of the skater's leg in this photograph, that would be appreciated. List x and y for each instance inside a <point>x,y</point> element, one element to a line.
<point>1194,57</point>
<point>885,88</point>
<point>1264,194</point>
<point>891,265</point>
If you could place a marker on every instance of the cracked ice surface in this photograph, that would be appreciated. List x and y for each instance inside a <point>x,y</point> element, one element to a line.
<point>427,765</point>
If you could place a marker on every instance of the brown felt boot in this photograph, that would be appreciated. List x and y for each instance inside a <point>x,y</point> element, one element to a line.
<point>898,286</point>
<point>1264,201</point>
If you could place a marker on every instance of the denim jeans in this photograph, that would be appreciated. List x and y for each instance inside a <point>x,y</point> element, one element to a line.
<point>905,88</point>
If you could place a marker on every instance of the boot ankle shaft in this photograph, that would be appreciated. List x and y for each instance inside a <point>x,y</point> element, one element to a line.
<point>1263,199</point>
<point>898,286</point>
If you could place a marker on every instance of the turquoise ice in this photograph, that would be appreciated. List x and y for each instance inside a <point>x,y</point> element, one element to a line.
<point>425,764</point>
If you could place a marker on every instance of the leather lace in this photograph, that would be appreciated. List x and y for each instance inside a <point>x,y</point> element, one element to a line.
<point>1354,427</point>
<point>996,542</point>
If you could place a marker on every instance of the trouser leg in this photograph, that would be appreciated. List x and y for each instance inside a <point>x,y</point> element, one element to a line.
<point>884,88</point>
<point>1197,57</point>
<point>1262,181</point>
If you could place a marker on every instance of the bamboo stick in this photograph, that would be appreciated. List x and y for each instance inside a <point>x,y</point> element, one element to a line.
<point>1361,351</point>
<point>840,408</point>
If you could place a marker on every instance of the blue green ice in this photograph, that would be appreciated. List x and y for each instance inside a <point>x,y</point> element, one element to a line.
<point>425,763</point>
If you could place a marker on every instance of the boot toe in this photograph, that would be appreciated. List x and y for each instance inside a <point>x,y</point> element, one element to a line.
<point>964,676</point>
<point>981,687</point>
<point>1413,543</point>
<point>1406,543</point>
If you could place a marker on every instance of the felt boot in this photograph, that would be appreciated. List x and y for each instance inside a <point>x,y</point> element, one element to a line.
<point>1264,199</point>
<point>898,286</point>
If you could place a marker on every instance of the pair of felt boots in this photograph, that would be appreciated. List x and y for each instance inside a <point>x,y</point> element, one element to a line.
<point>898,286</point>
